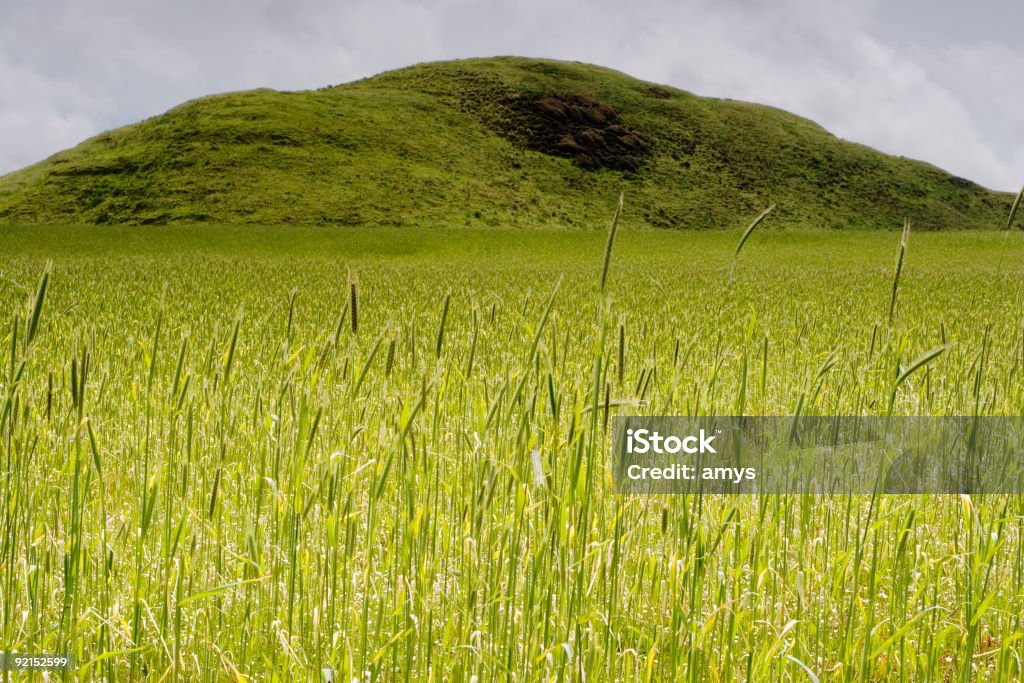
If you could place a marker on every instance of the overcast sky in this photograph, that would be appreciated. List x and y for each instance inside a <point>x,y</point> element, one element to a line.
<point>934,80</point>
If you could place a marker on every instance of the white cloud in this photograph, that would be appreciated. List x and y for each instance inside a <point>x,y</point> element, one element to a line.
<point>39,116</point>
<point>86,66</point>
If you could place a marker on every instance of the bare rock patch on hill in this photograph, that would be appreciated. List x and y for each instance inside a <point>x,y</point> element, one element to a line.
<point>577,127</point>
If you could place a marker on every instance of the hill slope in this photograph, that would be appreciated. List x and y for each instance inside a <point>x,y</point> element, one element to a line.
<point>505,141</point>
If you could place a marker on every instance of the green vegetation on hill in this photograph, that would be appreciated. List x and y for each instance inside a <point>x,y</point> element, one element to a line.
<point>504,141</point>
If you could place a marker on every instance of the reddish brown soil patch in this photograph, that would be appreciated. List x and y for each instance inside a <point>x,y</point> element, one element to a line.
<point>579,127</point>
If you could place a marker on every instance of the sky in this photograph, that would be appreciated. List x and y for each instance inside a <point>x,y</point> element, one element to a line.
<point>929,79</point>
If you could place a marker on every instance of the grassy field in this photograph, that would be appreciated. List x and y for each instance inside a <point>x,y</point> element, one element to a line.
<point>263,453</point>
<point>486,143</point>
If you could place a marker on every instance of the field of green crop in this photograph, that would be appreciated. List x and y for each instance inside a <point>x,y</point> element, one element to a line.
<point>305,454</point>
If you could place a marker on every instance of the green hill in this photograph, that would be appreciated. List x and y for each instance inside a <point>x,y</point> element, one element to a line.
<point>505,141</point>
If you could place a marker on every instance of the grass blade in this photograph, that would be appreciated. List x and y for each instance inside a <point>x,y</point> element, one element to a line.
<point>37,305</point>
<point>750,230</point>
<point>1013,209</point>
<point>920,361</point>
<point>440,328</point>
<point>353,290</point>
<point>611,241</point>
<point>900,256</point>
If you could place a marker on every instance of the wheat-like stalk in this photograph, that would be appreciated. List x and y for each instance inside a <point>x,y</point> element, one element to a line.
<point>750,229</point>
<point>1013,209</point>
<point>354,301</point>
<point>611,240</point>
<point>900,256</point>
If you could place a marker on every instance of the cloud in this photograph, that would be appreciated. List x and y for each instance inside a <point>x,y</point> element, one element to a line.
<point>39,116</point>
<point>83,67</point>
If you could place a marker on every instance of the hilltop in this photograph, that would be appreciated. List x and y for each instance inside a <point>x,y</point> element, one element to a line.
<point>490,142</point>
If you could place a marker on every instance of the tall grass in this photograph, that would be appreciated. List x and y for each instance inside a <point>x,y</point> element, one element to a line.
<point>612,229</point>
<point>750,230</point>
<point>900,256</point>
<point>195,494</point>
<point>1013,209</point>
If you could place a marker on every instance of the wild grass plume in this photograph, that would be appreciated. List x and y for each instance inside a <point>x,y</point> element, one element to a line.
<point>612,228</point>
<point>750,230</point>
<point>1013,209</point>
<point>900,256</point>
